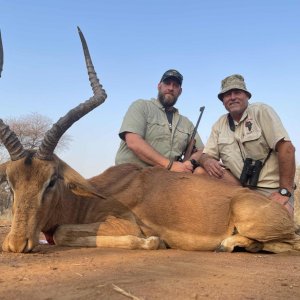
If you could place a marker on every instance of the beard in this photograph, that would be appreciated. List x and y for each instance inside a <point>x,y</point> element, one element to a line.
<point>167,100</point>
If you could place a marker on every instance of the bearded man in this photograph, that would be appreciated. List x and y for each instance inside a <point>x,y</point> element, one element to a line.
<point>153,133</point>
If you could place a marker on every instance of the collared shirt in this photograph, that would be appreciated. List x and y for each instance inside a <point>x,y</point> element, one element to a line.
<point>148,119</point>
<point>258,131</point>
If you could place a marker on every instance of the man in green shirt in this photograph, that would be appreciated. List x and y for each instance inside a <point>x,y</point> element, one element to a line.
<point>153,132</point>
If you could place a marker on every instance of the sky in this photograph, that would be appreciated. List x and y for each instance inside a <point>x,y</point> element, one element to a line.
<point>132,43</point>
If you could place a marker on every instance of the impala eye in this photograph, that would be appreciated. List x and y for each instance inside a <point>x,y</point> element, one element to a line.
<point>52,182</point>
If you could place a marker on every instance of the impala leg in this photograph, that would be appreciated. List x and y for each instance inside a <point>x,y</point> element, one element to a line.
<point>238,240</point>
<point>279,247</point>
<point>113,233</point>
<point>126,242</point>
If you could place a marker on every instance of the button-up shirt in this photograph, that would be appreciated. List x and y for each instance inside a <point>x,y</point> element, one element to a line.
<point>148,119</point>
<point>258,131</point>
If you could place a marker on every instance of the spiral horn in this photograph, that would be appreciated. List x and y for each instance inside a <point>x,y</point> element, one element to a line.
<point>51,139</point>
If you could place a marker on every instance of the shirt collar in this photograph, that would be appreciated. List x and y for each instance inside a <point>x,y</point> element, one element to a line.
<point>244,116</point>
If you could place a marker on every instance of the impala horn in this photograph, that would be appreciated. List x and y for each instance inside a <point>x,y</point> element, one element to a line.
<point>1,55</point>
<point>11,142</point>
<point>52,136</point>
<point>7,136</point>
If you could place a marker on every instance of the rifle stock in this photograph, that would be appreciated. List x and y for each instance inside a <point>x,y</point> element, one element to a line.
<point>189,150</point>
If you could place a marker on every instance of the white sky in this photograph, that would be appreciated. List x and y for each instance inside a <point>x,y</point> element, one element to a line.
<point>132,43</point>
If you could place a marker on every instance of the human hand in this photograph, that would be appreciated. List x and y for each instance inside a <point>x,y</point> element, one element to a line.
<point>182,166</point>
<point>214,168</point>
<point>283,200</point>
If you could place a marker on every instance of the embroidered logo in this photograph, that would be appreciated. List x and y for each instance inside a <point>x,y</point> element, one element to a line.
<point>248,124</point>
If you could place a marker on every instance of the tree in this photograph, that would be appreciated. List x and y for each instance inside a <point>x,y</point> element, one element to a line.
<point>30,130</point>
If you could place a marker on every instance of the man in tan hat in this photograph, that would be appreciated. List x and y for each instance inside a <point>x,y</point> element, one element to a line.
<point>249,145</point>
<point>153,133</point>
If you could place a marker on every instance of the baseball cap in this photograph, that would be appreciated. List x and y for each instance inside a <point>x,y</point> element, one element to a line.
<point>172,74</point>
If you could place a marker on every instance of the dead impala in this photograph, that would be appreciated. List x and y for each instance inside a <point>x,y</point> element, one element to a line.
<point>130,207</point>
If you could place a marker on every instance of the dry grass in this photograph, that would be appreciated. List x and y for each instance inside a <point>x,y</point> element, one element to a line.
<point>297,196</point>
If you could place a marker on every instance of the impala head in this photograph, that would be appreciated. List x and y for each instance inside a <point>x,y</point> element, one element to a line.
<point>35,191</point>
<point>37,178</point>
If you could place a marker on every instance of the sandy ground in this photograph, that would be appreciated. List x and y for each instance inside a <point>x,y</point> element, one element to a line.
<point>52,272</point>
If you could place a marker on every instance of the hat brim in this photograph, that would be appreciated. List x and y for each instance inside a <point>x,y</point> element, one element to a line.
<point>172,77</point>
<point>220,95</point>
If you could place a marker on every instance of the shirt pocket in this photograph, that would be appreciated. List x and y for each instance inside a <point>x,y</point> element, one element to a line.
<point>157,131</point>
<point>227,148</point>
<point>255,145</point>
<point>181,137</point>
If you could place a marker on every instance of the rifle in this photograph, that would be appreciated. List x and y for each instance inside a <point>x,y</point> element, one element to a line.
<point>186,154</point>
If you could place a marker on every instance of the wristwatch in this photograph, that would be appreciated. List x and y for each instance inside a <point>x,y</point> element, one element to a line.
<point>284,192</point>
<point>195,163</point>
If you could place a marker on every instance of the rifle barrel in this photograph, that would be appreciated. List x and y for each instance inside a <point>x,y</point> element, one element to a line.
<point>198,121</point>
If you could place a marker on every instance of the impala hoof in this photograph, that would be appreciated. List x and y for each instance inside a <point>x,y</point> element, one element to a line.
<point>152,243</point>
<point>221,248</point>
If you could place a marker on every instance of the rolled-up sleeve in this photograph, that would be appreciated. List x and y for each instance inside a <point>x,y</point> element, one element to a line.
<point>134,120</point>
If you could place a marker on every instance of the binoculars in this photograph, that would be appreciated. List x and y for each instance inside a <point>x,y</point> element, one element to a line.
<point>250,172</point>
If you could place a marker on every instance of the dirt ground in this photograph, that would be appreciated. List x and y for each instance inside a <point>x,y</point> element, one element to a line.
<point>52,272</point>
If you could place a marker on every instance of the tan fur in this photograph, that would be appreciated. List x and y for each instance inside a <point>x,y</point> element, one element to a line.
<point>127,205</point>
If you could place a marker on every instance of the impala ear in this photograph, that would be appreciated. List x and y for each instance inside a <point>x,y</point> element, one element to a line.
<point>83,189</point>
<point>76,183</point>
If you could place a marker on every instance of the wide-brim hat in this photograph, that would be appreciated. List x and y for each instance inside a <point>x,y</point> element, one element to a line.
<point>172,74</point>
<point>233,82</point>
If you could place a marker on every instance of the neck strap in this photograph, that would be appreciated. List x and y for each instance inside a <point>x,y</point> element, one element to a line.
<point>231,122</point>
